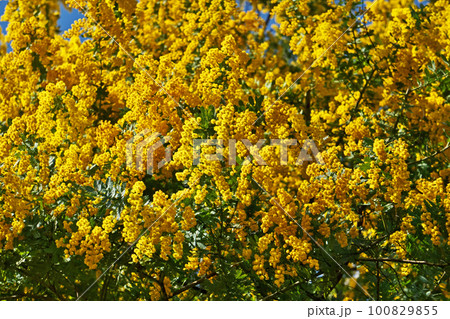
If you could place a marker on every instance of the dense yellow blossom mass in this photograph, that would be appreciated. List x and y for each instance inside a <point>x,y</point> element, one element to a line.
<point>367,82</point>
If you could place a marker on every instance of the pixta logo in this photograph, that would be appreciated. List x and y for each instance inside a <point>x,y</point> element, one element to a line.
<point>145,145</point>
<point>254,149</point>
<point>142,147</point>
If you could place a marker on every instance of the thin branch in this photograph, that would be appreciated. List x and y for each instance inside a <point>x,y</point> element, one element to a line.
<point>433,155</point>
<point>46,286</point>
<point>193,284</point>
<point>430,82</point>
<point>361,94</point>
<point>141,271</point>
<point>378,281</point>
<point>439,281</point>
<point>20,296</point>
<point>105,286</point>
<point>398,279</point>
<point>405,100</point>
<point>64,277</point>
<point>266,23</point>
<point>281,291</point>
<point>404,261</point>
<point>385,276</point>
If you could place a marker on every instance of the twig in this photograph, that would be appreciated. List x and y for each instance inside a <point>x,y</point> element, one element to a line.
<point>295,284</point>
<point>398,279</point>
<point>404,261</point>
<point>43,283</point>
<point>266,23</point>
<point>394,130</point>
<point>193,284</point>
<point>433,155</point>
<point>439,281</point>
<point>105,286</point>
<point>364,89</point>
<point>281,291</point>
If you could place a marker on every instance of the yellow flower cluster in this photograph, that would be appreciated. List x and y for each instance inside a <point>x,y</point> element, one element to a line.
<point>70,103</point>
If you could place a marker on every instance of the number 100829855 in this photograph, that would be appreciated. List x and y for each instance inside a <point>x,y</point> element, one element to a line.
<point>403,310</point>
